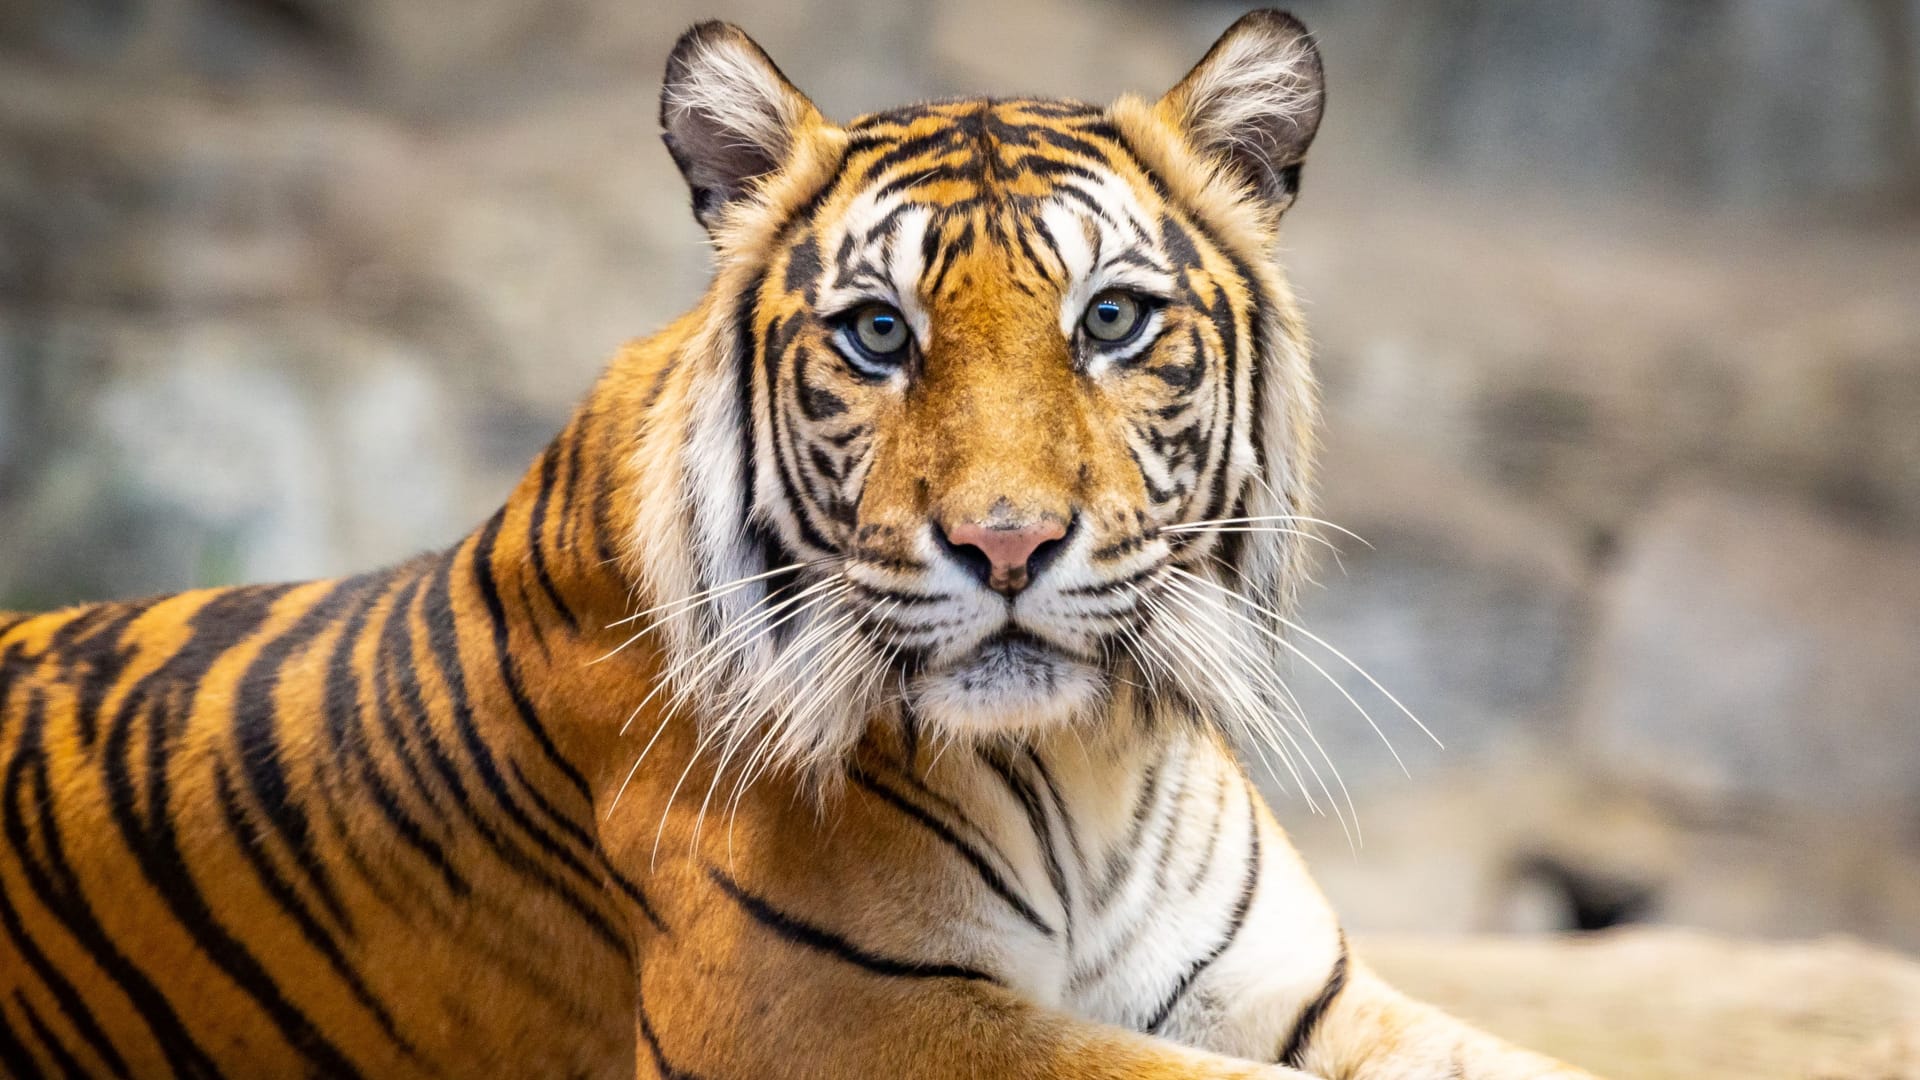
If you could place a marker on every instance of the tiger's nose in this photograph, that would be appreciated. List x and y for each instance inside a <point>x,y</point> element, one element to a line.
<point>1004,557</point>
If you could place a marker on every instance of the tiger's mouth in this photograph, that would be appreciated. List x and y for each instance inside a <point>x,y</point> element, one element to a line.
<point>1013,680</point>
<point>1010,654</point>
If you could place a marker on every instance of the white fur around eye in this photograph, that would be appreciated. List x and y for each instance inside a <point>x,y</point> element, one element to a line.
<point>898,261</point>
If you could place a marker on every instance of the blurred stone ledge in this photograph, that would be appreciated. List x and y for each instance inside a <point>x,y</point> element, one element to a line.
<point>1677,1005</point>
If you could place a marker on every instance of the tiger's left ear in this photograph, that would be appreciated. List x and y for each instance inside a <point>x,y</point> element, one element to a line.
<point>1253,103</point>
<point>728,115</point>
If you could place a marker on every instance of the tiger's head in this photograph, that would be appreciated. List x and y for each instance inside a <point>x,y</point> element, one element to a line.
<point>998,411</point>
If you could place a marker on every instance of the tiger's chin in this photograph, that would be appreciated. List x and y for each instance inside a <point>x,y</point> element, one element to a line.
<point>1012,684</point>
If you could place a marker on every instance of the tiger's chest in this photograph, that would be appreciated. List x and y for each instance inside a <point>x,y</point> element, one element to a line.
<point>1145,887</point>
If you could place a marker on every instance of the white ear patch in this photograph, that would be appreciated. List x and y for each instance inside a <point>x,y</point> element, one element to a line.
<point>1254,101</point>
<point>1255,83</point>
<point>729,115</point>
<point>730,88</point>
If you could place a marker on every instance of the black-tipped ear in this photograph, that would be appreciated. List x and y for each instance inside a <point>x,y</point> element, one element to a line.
<point>1253,102</point>
<point>729,116</point>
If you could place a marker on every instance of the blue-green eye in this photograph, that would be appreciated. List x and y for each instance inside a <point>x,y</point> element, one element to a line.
<point>1114,316</point>
<point>880,331</point>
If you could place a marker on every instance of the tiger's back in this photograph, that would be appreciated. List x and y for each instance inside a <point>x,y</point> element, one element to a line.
<point>269,831</point>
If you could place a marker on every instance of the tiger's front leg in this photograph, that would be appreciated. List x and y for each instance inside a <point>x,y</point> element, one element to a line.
<point>721,1009</point>
<point>1354,1026</point>
<point>1371,1031</point>
<point>865,941</point>
<point>1194,919</point>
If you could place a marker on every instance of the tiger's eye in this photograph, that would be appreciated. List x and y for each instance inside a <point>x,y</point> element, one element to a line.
<point>1113,316</point>
<point>881,330</point>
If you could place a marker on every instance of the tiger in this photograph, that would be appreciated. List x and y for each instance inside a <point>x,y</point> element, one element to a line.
<point>851,689</point>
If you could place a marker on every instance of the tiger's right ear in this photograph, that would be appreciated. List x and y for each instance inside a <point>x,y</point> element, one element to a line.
<point>729,116</point>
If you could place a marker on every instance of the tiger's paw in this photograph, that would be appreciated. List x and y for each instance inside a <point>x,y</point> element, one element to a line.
<point>1218,1068</point>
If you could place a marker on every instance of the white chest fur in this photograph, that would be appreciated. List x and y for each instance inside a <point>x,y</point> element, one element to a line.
<point>1137,880</point>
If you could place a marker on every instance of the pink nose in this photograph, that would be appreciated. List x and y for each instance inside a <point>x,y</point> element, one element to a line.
<point>1009,551</point>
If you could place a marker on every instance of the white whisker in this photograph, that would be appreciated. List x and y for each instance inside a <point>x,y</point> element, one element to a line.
<point>683,690</point>
<point>1195,651</point>
<point>733,646</point>
<point>1310,662</point>
<point>723,589</point>
<point>1187,525</point>
<point>1264,672</point>
<point>709,731</point>
<point>1323,643</point>
<point>1213,530</point>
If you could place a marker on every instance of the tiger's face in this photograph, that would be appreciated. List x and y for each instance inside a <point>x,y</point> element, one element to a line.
<point>1001,370</point>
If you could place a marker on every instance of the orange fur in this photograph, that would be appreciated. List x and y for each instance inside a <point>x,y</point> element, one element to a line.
<point>392,825</point>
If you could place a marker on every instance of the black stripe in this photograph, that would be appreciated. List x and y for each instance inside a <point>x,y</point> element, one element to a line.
<point>1103,587</point>
<point>346,729</point>
<point>1123,946</point>
<point>604,547</point>
<point>1163,862</point>
<point>633,892</point>
<point>249,840</point>
<point>898,598</point>
<point>549,811</point>
<point>1258,305</point>
<point>952,809</point>
<point>74,630</point>
<point>1036,812</point>
<point>1293,1053</point>
<point>166,697</point>
<point>825,941</point>
<point>62,1058</point>
<point>379,879</point>
<point>256,735</point>
<point>941,140</point>
<point>1025,240</point>
<point>401,671</point>
<point>1258,302</point>
<point>574,434</point>
<point>780,333</point>
<point>935,175</point>
<point>909,735</point>
<point>991,877</point>
<point>950,252</point>
<point>58,890</point>
<point>1060,810</point>
<point>665,1069</point>
<point>444,646</point>
<point>537,535</point>
<point>485,579</point>
<point>1051,167</point>
<point>1212,847</point>
<point>97,662</point>
<point>1117,861</point>
<point>396,688</point>
<point>1234,922</point>
<point>15,1062</point>
<point>28,753</point>
<point>746,313</point>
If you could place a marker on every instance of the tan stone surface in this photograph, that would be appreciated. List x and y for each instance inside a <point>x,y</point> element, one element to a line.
<point>1678,1005</point>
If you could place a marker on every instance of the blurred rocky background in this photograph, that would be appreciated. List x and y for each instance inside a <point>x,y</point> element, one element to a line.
<point>1618,309</point>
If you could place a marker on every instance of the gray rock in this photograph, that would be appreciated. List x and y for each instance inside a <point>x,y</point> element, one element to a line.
<point>1468,607</point>
<point>1752,652</point>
